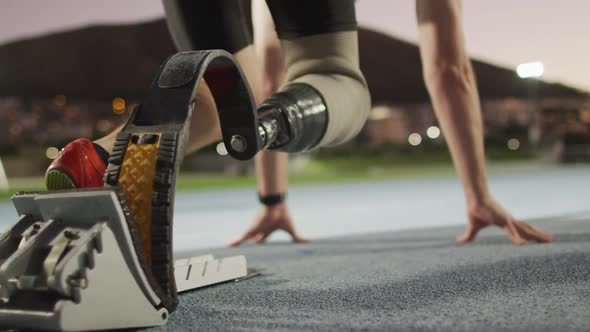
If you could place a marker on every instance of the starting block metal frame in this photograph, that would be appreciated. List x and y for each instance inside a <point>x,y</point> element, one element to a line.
<point>70,264</point>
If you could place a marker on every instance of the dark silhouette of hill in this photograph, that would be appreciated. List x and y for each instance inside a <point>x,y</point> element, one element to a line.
<point>95,62</point>
<point>101,62</point>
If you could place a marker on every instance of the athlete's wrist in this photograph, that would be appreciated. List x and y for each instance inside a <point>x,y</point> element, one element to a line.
<point>272,199</point>
<point>477,199</point>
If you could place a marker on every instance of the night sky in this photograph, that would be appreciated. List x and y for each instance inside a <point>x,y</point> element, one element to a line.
<point>503,32</point>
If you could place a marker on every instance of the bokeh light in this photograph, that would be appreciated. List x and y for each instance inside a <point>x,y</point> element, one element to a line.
<point>530,69</point>
<point>221,149</point>
<point>72,112</point>
<point>513,144</point>
<point>16,129</point>
<point>380,113</point>
<point>119,105</point>
<point>103,126</point>
<point>433,132</point>
<point>415,139</point>
<point>51,152</point>
<point>60,100</point>
<point>585,116</point>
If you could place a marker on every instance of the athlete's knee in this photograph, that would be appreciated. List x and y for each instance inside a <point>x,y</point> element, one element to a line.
<point>330,64</point>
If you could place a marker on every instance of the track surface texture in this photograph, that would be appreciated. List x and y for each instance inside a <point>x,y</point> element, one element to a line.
<point>408,274</point>
<point>405,280</point>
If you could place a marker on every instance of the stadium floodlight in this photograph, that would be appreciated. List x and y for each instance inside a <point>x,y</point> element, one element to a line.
<point>530,69</point>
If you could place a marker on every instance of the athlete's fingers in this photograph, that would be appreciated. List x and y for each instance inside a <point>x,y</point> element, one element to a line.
<point>532,233</point>
<point>261,237</point>
<point>249,234</point>
<point>235,242</point>
<point>470,233</point>
<point>299,239</point>
<point>288,227</point>
<point>513,233</point>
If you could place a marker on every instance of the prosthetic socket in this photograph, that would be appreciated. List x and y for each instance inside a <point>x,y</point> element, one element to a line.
<point>326,100</point>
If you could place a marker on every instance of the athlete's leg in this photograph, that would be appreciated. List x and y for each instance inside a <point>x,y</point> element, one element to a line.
<point>322,72</point>
<point>213,24</point>
<point>452,86</point>
<point>271,167</point>
<point>319,39</point>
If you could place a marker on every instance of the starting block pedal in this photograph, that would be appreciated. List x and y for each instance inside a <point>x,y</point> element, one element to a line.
<point>71,263</point>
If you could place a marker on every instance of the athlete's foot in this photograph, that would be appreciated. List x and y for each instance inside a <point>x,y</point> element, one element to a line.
<point>81,164</point>
<point>270,219</point>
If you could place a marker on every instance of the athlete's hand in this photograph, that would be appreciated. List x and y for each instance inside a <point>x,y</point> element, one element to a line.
<point>270,219</point>
<point>491,213</point>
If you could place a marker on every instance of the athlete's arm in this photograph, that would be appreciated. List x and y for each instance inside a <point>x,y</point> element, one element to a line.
<point>450,80</point>
<point>271,167</point>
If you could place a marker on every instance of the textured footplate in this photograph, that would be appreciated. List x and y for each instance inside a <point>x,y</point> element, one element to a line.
<point>148,152</point>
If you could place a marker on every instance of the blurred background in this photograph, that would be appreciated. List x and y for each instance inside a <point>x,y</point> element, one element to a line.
<point>71,69</point>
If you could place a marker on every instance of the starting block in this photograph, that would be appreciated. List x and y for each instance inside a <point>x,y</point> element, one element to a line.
<point>71,263</point>
<point>80,260</point>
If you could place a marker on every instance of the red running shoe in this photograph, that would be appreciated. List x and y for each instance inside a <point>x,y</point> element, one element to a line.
<point>78,165</point>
